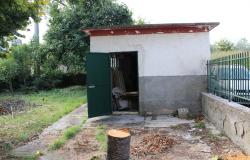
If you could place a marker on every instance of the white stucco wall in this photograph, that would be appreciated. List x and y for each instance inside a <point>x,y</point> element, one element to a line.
<point>172,54</point>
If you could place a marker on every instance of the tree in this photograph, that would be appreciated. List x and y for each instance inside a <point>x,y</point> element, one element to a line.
<point>243,45</point>
<point>8,71</point>
<point>140,21</point>
<point>223,45</point>
<point>38,55</point>
<point>15,14</point>
<point>23,57</point>
<point>66,43</point>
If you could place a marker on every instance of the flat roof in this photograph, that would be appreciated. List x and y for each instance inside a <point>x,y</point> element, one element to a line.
<point>152,29</point>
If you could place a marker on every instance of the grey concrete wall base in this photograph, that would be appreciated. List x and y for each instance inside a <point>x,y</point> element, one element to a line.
<point>165,94</point>
<point>231,118</point>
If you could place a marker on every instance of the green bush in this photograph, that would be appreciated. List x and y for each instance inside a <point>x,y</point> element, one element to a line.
<point>8,71</point>
<point>47,81</point>
<point>23,56</point>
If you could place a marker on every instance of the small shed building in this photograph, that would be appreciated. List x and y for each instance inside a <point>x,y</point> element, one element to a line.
<point>152,68</point>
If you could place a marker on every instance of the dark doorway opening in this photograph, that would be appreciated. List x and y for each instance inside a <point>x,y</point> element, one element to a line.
<point>125,90</point>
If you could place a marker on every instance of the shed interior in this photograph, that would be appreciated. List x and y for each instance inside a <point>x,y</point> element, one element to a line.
<point>124,72</point>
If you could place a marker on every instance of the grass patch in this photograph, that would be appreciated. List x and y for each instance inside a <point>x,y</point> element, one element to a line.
<point>53,105</point>
<point>29,158</point>
<point>101,137</point>
<point>57,144</point>
<point>179,126</point>
<point>6,147</point>
<point>200,125</point>
<point>71,132</point>
<point>68,134</point>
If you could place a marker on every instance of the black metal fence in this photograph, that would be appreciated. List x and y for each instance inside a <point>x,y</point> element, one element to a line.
<point>229,77</point>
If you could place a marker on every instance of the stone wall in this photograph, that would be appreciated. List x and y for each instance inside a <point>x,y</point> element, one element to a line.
<point>231,118</point>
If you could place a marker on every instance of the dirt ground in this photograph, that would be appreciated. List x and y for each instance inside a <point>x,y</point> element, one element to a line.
<point>48,136</point>
<point>180,142</point>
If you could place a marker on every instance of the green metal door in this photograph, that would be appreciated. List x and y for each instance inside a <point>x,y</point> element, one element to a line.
<point>98,84</point>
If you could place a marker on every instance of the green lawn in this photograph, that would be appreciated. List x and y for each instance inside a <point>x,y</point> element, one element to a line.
<point>53,105</point>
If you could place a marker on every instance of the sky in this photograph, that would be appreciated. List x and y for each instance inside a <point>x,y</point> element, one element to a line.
<point>29,31</point>
<point>233,15</point>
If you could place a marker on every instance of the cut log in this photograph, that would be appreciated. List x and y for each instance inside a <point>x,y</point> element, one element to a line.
<point>118,145</point>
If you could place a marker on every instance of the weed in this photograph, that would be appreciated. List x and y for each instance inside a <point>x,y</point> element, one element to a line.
<point>84,118</point>
<point>101,137</point>
<point>179,126</point>
<point>175,113</point>
<point>71,132</point>
<point>200,125</point>
<point>32,157</point>
<point>51,106</point>
<point>68,134</point>
<point>6,147</point>
<point>57,144</point>
<point>190,116</point>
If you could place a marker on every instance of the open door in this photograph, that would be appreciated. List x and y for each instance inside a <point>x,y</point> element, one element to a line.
<point>98,84</point>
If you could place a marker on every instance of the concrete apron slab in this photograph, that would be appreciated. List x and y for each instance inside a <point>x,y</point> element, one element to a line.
<point>131,121</point>
<point>164,121</point>
<point>50,134</point>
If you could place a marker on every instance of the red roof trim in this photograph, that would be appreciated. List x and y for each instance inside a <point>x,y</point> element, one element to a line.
<point>152,29</point>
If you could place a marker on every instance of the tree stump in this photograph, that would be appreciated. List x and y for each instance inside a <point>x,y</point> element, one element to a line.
<point>118,145</point>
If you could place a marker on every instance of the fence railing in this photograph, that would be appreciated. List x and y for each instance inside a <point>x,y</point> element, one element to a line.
<point>229,77</point>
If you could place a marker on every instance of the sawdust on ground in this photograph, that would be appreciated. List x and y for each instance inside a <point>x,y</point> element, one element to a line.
<point>238,156</point>
<point>152,144</point>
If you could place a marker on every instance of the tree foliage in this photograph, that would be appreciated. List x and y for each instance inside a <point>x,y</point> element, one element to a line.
<point>243,45</point>
<point>43,66</point>
<point>226,45</point>
<point>15,14</point>
<point>67,45</point>
<point>23,57</point>
<point>140,21</point>
<point>223,45</point>
<point>8,71</point>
